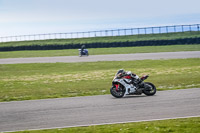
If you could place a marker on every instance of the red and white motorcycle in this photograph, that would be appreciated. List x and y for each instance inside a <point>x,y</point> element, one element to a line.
<point>124,86</point>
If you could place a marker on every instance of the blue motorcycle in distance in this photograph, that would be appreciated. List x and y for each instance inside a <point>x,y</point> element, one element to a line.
<point>83,52</point>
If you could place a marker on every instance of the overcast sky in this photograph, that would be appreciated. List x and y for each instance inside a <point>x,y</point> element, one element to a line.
<point>21,17</point>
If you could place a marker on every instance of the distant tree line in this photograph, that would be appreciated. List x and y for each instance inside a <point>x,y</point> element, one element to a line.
<point>104,44</point>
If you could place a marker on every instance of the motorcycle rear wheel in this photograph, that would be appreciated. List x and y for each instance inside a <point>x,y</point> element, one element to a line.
<point>118,94</point>
<point>151,90</point>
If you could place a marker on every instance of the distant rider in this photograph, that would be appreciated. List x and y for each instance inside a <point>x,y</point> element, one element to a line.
<point>82,48</point>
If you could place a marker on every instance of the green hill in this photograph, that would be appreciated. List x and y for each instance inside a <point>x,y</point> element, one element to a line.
<point>102,40</point>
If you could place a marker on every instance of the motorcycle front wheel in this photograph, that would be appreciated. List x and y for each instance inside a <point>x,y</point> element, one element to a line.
<point>117,93</point>
<point>149,89</point>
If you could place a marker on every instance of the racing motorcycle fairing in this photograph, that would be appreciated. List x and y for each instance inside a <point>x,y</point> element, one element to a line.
<point>129,88</point>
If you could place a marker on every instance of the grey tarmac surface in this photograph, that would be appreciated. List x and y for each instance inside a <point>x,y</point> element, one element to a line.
<point>113,57</point>
<point>102,109</point>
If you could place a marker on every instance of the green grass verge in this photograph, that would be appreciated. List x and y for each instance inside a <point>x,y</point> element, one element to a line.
<point>100,51</point>
<point>54,80</point>
<point>166,36</point>
<point>184,125</point>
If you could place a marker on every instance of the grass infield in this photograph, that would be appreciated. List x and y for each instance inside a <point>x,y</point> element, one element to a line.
<point>55,80</point>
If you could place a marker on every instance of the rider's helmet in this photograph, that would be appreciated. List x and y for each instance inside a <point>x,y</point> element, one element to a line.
<point>121,71</point>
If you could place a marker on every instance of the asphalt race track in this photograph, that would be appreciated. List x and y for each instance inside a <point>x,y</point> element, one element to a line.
<point>94,110</point>
<point>114,57</point>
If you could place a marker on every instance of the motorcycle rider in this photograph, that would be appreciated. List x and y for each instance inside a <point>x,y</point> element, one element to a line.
<point>135,80</point>
<point>82,48</point>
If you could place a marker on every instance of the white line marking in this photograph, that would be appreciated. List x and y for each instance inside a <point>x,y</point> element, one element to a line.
<point>104,123</point>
